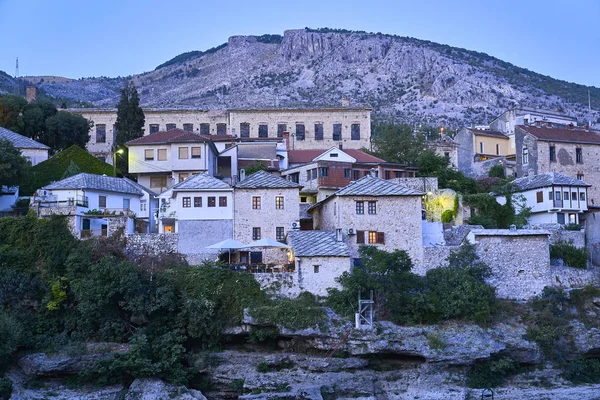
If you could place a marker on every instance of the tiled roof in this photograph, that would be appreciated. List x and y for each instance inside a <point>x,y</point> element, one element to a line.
<point>490,133</point>
<point>545,180</point>
<point>201,182</point>
<point>509,232</point>
<point>20,141</point>
<point>372,186</point>
<point>175,136</point>
<point>306,156</point>
<point>263,179</point>
<point>316,244</point>
<point>554,134</point>
<point>96,182</point>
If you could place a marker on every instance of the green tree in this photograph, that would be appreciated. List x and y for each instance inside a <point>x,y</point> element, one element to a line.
<point>130,116</point>
<point>66,129</point>
<point>34,119</point>
<point>13,166</point>
<point>11,108</point>
<point>255,167</point>
<point>398,143</point>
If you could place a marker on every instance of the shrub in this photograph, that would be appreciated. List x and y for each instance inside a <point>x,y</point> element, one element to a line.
<point>10,334</point>
<point>447,216</point>
<point>496,171</point>
<point>300,313</point>
<point>5,388</point>
<point>582,371</point>
<point>491,373</point>
<point>571,255</point>
<point>573,227</point>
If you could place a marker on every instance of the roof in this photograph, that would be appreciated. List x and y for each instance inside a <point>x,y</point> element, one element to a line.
<point>483,132</point>
<point>372,186</point>
<point>175,136</point>
<point>555,134</point>
<point>306,156</point>
<point>142,188</point>
<point>201,182</point>
<point>545,180</point>
<point>263,179</point>
<point>316,244</point>
<point>95,182</point>
<point>509,232</point>
<point>20,141</point>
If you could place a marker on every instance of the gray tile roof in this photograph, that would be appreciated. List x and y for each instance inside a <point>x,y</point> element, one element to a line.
<point>509,232</point>
<point>316,244</point>
<point>96,182</point>
<point>372,186</point>
<point>263,179</point>
<point>201,182</point>
<point>20,141</point>
<point>545,180</point>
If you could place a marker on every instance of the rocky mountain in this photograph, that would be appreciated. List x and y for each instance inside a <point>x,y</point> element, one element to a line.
<point>402,78</point>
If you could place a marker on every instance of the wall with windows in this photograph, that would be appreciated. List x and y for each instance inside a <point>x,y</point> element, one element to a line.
<point>388,222</point>
<point>490,145</point>
<point>197,205</point>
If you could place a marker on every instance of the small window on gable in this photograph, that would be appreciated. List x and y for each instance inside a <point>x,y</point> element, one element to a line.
<point>540,197</point>
<point>333,155</point>
<point>316,269</point>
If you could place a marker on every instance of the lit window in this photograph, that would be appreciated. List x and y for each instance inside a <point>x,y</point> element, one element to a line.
<point>256,202</point>
<point>360,207</point>
<point>372,237</point>
<point>279,202</point>
<point>187,202</point>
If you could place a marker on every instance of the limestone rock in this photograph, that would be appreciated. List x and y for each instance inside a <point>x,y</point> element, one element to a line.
<point>156,389</point>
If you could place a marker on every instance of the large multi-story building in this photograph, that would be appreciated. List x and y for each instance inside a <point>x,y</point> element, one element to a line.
<point>307,128</point>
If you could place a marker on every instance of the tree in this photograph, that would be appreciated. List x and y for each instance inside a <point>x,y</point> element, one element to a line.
<point>13,166</point>
<point>398,143</point>
<point>66,129</point>
<point>130,116</point>
<point>11,108</point>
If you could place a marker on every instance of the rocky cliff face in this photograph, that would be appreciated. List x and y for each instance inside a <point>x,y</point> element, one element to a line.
<point>402,78</point>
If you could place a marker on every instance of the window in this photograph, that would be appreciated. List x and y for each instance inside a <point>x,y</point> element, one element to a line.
<point>154,128</point>
<point>557,195</point>
<point>256,202</point>
<point>221,129</point>
<point>255,233</point>
<point>183,153</point>
<point>197,202</point>
<point>318,131</point>
<point>316,269</point>
<point>280,129</point>
<point>360,207</point>
<point>360,237</point>
<point>552,153</point>
<point>244,129</point>
<point>550,195</point>
<point>171,126</point>
<point>280,234</point>
<point>162,154</point>
<point>334,155</point>
<point>158,181</point>
<point>187,202</point>
<point>222,201</point>
<point>387,175</point>
<point>580,176</point>
<point>566,195</point>
<point>324,172</point>
<point>497,149</point>
<point>100,133</point>
<point>314,173</point>
<point>148,154</point>
<point>582,196</point>
<point>447,154</point>
<point>376,237</point>
<point>196,152</point>
<point>212,201</point>
<point>205,129</point>
<point>525,155</point>
<point>188,127</point>
<point>398,174</point>
<point>115,132</point>
<point>579,156</point>
<point>101,158</point>
<point>355,132</point>
<point>355,175</point>
<point>295,177</point>
<point>102,201</point>
<point>540,197</point>
<point>279,202</point>
<point>143,205</point>
<point>347,173</point>
<point>574,196</point>
<point>560,218</point>
<point>337,131</point>
<point>263,131</point>
<point>126,204</point>
<point>299,131</point>
<point>183,177</point>
<point>372,207</point>
<point>480,147</point>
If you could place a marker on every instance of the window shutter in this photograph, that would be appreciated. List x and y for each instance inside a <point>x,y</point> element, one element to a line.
<point>360,237</point>
<point>380,238</point>
<point>540,197</point>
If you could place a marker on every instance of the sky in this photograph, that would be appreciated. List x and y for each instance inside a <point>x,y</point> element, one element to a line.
<point>79,38</point>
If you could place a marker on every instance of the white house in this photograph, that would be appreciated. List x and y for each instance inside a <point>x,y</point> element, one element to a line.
<point>98,204</point>
<point>553,197</point>
<point>34,151</point>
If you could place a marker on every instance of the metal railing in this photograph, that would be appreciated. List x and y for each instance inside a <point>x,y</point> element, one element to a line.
<point>262,268</point>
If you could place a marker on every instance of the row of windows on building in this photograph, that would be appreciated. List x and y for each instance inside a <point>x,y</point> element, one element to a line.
<point>481,150</point>
<point>556,195</point>
<point>257,202</point>
<point>186,202</point>
<point>279,233</point>
<point>204,128</point>
<point>371,207</point>
<point>184,153</point>
<point>578,155</point>
<point>102,203</point>
<point>370,237</point>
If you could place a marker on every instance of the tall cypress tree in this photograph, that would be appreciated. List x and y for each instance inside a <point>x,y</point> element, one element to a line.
<point>130,116</point>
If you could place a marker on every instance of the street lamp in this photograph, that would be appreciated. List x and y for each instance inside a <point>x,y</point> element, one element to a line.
<point>120,151</point>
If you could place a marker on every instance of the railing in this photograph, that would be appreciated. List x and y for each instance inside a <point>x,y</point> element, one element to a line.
<point>558,203</point>
<point>88,233</point>
<point>262,268</point>
<point>51,201</point>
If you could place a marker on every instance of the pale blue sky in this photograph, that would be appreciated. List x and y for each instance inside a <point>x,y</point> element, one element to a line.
<point>110,38</point>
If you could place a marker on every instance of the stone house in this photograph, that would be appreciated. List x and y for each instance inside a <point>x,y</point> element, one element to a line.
<point>35,152</point>
<point>446,147</point>
<point>477,145</point>
<point>266,206</point>
<point>569,150</point>
<point>97,205</point>
<point>375,212</point>
<point>319,258</point>
<point>322,172</point>
<point>200,211</point>
<point>554,198</point>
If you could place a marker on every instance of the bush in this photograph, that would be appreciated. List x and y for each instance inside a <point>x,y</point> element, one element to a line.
<point>5,388</point>
<point>491,373</point>
<point>573,227</point>
<point>571,255</point>
<point>300,313</point>
<point>582,371</point>
<point>447,216</point>
<point>10,334</point>
<point>497,171</point>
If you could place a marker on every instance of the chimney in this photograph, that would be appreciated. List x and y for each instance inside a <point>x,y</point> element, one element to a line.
<point>31,93</point>
<point>286,139</point>
<point>570,127</point>
<point>345,102</point>
<point>338,235</point>
<point>538,124</point>
<point>340,146</point>
<point>530,174</point>
<point>548,124</point>
<point>513,227</point>
<point>586,128</point>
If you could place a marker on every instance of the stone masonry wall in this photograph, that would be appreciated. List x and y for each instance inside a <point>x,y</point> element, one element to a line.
<point>316,281</point>
<point>433,257</point>
<point>151,243</point>
<point>281,284</point>
<point>196,235</point>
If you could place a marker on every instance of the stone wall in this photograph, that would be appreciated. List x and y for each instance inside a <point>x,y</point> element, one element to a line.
<point>433,257</point>
<point>423,184</point>
<point>196,235</point>
<point>568,278</point>
<point>280,284</point>
<point>576,237</point>
<point>152,244</point>
<point>317,280</point>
